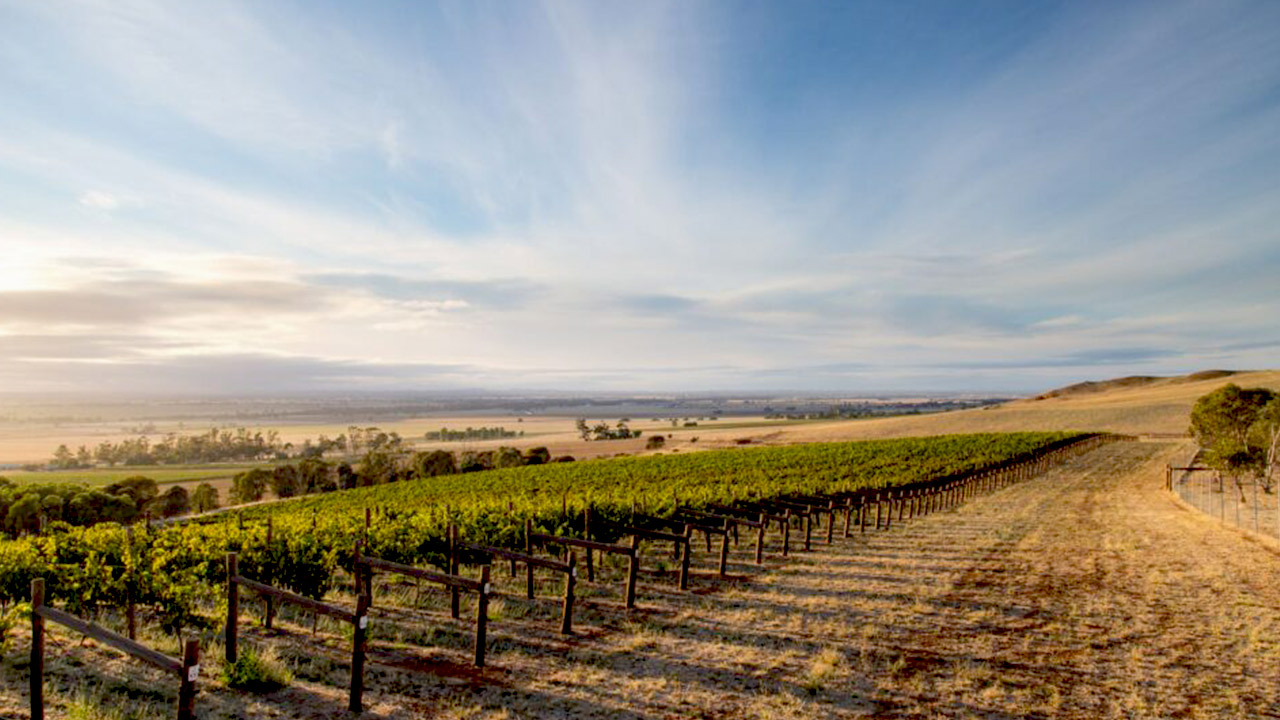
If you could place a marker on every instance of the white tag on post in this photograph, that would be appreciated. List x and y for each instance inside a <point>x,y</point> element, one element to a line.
<point>193,672</point>
<point>364,621</point>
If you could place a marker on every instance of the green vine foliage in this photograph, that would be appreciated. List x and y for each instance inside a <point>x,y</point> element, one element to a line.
<point>177,570</point>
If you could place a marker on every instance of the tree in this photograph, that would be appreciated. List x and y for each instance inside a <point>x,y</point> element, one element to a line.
<point>378,467</point>
<point>205,498</point>
<point>315,475</point>
<point>175,501</point>
<point>284,481</point>
<point>1223,422</point>
<point>583,430</point>
<point>250,485</point>
<point>24,514</point>
<point>62,458</point>
<point>507,457</point>
<point>537,456</point>
<point>346,476</point>
<point>1266,434</point>
<point>473,461</point>
<point>141,490</point>
<point>431,464</point>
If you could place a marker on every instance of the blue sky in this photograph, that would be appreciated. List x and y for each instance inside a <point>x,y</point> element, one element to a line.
<point>224,197</point>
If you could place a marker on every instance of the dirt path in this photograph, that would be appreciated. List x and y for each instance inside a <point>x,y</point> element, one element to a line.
<point>1083,594</point>
<point>1086,593</point>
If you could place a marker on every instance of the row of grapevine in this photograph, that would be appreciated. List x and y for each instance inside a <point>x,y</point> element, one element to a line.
<point>176,570</point>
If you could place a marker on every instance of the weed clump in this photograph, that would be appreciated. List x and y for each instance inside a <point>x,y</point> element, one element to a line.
<point>256,672</point>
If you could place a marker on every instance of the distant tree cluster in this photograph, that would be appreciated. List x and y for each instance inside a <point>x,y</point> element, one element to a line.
<point>26,508</point>
<point>1239,431</point>
<point>239,445</point>
<point>379,466</point>
<point>605,431</point>
<point>853,411</point>
<point>480,433</point>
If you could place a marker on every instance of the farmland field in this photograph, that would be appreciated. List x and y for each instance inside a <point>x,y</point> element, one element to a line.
<point>95,477</point>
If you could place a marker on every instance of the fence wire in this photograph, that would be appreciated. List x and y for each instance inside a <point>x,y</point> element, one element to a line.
<point>1246,503</point>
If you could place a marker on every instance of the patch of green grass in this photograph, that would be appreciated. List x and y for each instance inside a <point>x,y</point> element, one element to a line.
<point>98,706</point>
<point>256,672</point>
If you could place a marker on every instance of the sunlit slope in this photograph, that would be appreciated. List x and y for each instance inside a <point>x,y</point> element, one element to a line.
<point>1158,406</point>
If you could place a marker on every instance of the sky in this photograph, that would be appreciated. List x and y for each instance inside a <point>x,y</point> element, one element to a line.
<point>258,197</point>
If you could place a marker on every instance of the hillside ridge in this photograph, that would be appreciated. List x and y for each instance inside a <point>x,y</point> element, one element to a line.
<point>1089,387</point>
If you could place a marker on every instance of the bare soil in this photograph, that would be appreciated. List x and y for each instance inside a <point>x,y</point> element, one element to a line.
<point>1085,593</point>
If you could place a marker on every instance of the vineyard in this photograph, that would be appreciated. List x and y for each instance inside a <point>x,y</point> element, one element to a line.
<point>173,575</point>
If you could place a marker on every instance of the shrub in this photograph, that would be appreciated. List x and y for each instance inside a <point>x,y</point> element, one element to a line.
<point>655,442</point>
<point>256,672</point>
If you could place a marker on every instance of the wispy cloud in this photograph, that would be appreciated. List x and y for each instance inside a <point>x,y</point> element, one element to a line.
<point>681,193</point>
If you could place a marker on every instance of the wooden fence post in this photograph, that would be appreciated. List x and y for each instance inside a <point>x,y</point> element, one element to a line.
<point>233,609</point>
<point>359,631</point>
<point>190,671</point>
<point>684,557</point>
<point>37,650</point>
<point>786,532</point>
<point>130,591</point>
<point>586,533</point>
<point>724,549</point>
<point>760,539</point>
<point>529,584</point>
<point>482,615</point>
<point>570,578</point>
<point>831,520</point>
<point>808,530</point>
<point>632,570</point>
<point>454,599</point>
<point>269,601</point>
<point>848,515</point>
<point>528,548</point>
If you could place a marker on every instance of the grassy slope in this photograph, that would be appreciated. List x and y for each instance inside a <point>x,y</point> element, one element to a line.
<point>1159,407</point>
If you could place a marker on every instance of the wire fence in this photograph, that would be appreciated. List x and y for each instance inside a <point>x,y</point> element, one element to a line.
<point>1247,503</point>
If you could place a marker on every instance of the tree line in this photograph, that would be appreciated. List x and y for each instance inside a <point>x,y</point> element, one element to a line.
<point>378,466</point>
<point>30,508</point>
<point>480,433</point>
<point>218,445</point>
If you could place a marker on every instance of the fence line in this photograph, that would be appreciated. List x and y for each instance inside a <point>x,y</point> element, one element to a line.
<point>1247,503</point>
<point>187,668</point>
